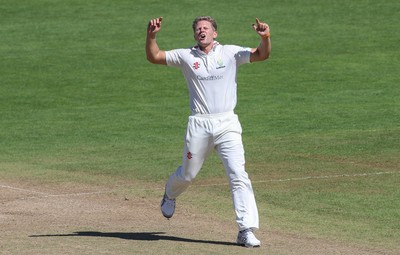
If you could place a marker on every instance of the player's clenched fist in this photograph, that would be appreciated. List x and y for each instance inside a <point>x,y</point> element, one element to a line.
<point>154,26</point>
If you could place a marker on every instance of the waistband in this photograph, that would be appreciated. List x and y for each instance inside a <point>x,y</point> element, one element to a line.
<point>213,115</point>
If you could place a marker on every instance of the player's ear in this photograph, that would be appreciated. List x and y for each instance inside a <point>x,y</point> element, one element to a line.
<point>215,34</point>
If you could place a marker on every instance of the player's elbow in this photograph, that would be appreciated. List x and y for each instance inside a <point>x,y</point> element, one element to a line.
<point>265,56</point>
<point>156,58</point>
<point>259,56</point>
<point>151,59</point>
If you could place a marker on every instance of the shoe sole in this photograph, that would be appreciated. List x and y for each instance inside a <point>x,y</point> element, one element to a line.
<point>249,246</point>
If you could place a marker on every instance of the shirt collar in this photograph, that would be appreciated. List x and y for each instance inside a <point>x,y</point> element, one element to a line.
<point>197,48</point>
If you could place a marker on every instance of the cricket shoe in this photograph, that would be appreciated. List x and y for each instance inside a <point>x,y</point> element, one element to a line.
<point>247,238</point>
<point>167,206</point>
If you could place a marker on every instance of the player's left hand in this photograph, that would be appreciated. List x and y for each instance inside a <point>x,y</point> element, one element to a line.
<point>261,28</point>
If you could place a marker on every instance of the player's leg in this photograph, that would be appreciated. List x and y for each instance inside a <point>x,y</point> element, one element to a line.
<point>195,150</point>
<point>231,152</point>
<point>232,155</point>
<point>197,146</point>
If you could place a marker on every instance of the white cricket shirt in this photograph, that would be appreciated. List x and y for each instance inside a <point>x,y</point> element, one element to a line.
<point>210,78</point>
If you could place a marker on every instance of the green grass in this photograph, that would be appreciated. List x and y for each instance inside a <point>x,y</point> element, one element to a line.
<point>77,96</point>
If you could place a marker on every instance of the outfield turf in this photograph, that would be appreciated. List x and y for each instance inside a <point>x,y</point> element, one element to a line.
<point>321,117</point>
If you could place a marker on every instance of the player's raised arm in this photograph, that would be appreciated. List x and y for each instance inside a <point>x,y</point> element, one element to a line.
<point>153,52</point>
<point>263,50</point>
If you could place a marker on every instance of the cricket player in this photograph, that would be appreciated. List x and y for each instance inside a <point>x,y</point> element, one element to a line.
<point>210,70</point>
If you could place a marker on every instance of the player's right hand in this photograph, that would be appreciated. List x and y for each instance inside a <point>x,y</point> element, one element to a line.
<point>154,26</point>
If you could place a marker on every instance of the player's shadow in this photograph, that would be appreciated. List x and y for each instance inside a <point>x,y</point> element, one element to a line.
<point>138,236</point>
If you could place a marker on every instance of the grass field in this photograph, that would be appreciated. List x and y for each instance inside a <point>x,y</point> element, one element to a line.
<point>80,104</point>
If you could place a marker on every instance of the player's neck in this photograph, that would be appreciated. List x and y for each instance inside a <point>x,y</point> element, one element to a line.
<point>207,48</point>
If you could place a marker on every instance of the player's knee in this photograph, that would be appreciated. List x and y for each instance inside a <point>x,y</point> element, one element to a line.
<point>189,177</point>
<point>185,175</point>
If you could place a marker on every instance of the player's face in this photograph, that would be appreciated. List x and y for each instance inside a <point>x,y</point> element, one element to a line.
<point>204,33</point>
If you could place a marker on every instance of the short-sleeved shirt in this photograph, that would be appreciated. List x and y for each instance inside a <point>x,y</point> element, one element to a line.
<point>211,78</point>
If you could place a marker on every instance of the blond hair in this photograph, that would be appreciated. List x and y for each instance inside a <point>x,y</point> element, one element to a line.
<point>206,18</point>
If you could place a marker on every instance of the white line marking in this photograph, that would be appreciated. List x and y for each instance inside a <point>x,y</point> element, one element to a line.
<point>44,195</point>
<point>79,194</point>
<point>309,178</point>
<point>327,177</point>
<point>24,190</point>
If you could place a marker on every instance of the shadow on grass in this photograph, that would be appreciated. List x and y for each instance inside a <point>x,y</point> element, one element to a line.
<point>139,236</point>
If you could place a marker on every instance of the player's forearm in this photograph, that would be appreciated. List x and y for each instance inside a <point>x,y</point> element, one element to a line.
<point>153,52</point>
<point>264,49</point>
<point>152,48</point>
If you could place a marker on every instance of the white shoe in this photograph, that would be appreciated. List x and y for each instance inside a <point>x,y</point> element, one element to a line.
<point>167,206</point>
<point>248,239</point>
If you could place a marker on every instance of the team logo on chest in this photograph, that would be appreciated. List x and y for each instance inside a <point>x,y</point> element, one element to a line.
<point>196,65</point>
<point>220,63</point>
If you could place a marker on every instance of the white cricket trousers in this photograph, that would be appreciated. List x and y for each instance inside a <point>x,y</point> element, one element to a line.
<point>224,133</point>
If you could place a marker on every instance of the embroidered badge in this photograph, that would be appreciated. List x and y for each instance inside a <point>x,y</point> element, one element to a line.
<point>196,65</point>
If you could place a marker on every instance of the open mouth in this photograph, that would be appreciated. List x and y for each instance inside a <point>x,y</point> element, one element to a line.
<point>202,36</point>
